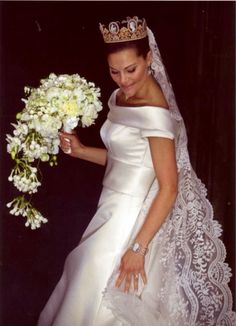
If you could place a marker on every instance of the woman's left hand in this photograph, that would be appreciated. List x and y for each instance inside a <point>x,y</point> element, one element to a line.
<point>131,269</point>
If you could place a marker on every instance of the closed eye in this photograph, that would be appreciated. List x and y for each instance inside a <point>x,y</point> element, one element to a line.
<point>130,71</point>
<point>114,72</point>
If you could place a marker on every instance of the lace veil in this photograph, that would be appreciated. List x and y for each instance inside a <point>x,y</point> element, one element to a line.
<point>186,255</point>
<point>191,239</point>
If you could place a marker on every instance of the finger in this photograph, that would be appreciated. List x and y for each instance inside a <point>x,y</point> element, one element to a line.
<point>144,277</point>
<point>65,145</point>
<point>65,142</point>
<point>67,134</point>
<point>66,138</point>
<point>67,150</point>
<point>120,279</point>
<point>62,141</point>
<point>136,279</point>
<point>127,282</point>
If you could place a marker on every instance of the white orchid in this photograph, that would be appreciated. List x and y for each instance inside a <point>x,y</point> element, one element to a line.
<point>60,101</point>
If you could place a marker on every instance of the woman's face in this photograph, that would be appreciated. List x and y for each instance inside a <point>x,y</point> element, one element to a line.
<point>128,70</point>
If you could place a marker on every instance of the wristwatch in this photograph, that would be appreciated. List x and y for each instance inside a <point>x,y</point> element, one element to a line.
<point>138,248</point>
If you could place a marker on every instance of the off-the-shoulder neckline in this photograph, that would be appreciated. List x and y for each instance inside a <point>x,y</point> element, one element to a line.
<point>114,96</point>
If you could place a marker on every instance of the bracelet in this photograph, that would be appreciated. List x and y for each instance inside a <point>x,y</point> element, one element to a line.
<point>139,249</point>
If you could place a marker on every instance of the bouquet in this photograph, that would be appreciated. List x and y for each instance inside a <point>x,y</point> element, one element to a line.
<point>63,101</point>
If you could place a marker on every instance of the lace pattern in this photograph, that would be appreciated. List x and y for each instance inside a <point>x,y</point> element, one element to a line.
<point>187,253</point>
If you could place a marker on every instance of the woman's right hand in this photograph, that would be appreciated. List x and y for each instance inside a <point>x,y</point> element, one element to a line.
<point>70,143</point>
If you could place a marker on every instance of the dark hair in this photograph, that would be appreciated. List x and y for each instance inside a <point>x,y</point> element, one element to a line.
<point>140,46</point>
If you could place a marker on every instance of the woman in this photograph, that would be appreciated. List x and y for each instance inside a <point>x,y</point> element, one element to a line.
<point>151,254</point>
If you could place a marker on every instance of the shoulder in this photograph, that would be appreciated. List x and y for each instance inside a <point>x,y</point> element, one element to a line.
<point>153,97</point>
<point>157,98</point>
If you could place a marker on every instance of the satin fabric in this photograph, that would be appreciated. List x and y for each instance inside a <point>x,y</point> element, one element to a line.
<point>78,299</point>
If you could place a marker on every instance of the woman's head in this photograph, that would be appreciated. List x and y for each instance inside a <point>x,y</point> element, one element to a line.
<point>128,53</point>
<point>129,68</point>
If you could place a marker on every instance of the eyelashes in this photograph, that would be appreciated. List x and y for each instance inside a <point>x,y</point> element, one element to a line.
<point>114,72</point>
<point>129,71</point>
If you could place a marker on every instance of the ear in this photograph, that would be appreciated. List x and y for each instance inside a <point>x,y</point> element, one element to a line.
<point>149,58</point>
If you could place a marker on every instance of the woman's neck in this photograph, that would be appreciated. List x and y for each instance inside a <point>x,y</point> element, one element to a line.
<point>144,94</point>
<point>149,94</point>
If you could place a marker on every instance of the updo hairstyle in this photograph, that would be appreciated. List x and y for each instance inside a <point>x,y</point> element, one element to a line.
<point>140,46</point>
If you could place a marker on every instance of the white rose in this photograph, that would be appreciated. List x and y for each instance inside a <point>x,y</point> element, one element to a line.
<point>98,105</point>
<point>89,115</point>
<point>52,92</point>
<point>87,121</point>
<point>79,94</point>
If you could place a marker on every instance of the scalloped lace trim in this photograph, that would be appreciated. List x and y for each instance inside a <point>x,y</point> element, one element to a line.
<point>192,275</point>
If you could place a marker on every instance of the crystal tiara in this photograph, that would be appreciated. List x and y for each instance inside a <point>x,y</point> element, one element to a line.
<point>127,30</point>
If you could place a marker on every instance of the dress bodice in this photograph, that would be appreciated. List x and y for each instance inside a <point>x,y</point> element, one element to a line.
<point>125,134</point>
<point>125,144</point>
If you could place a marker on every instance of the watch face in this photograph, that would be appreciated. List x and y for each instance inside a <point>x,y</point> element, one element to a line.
<point>136,247</point>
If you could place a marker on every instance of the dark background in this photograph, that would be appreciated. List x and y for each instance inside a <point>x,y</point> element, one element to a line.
<point>197,43</point>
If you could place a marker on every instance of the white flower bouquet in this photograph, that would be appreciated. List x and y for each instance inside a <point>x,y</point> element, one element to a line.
<point>63,101</point>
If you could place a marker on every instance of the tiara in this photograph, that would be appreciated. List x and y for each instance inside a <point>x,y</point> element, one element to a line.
<point>126,30</point>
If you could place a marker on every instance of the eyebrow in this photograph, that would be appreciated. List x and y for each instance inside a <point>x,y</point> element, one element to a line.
<point>124,68</point>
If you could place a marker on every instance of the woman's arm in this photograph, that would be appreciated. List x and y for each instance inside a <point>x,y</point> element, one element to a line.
<point>77,149</point>
<point>163,156</point>
<point>164,161</point>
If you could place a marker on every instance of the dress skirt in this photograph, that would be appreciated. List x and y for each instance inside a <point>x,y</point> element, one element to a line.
<point>78,297</point>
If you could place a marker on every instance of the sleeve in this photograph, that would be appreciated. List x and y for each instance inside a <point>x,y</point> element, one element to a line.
<point>152,121</point>
<point>158,123</point>
<point>157,133</point>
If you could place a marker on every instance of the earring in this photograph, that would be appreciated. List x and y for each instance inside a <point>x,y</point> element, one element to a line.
<point>153,67</point>
<point>149,70</point>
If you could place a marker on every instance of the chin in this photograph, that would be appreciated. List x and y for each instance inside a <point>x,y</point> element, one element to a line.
<point>129,93</point>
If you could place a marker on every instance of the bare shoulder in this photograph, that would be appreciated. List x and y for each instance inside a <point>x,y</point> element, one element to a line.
<point>157,98</point>
<point>154,97</point>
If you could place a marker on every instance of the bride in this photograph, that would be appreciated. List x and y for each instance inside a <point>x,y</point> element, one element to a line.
<point>151,255</point>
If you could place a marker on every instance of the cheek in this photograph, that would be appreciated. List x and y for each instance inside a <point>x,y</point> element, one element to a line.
<point>140,75</point>
<point>114,78</point>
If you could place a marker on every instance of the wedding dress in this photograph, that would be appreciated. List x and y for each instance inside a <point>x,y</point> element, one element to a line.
<point>186,273</point>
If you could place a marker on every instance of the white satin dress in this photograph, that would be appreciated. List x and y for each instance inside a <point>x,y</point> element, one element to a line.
<point>85,294</point>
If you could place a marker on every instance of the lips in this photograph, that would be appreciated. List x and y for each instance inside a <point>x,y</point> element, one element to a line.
<point>127,88</point>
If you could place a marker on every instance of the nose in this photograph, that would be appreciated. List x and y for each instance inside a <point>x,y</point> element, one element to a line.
<point>123,79</point>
